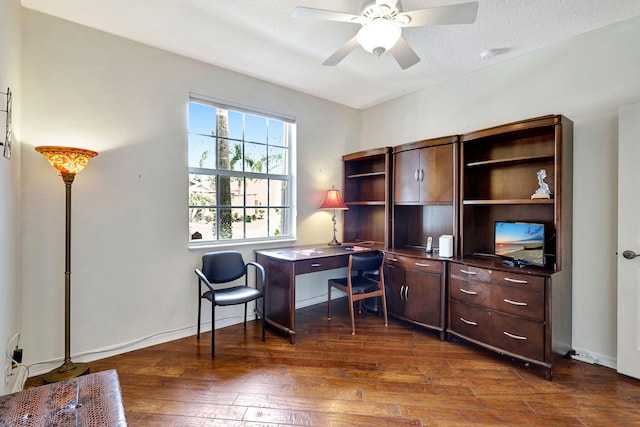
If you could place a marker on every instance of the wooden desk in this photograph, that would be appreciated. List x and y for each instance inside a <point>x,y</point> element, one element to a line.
<point>284,264</point>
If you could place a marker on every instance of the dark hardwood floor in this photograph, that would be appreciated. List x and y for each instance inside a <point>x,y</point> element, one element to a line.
<point>383,376</point>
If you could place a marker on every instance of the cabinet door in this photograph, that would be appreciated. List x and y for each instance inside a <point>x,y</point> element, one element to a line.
<point>436,170</point>
<point>406,185</point>
<point>423,297</point>
<point>394,289</point>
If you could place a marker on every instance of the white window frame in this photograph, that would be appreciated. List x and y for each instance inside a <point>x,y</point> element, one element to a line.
<point>289,203</point>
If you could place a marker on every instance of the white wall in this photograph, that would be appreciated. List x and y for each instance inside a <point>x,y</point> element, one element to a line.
<point>586,79</point>
<point>9,181</point>
<point>132,270</point>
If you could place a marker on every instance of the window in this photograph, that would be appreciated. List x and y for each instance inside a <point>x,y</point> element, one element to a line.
<point>239,174</point>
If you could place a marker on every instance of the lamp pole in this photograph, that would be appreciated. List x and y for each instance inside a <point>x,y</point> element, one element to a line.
<point>69,161</point>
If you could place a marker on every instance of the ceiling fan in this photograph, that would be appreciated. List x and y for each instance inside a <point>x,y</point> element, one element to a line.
<point>381,26</point>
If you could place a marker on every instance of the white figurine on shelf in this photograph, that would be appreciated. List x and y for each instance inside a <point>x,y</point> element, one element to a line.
<point>543,192</point>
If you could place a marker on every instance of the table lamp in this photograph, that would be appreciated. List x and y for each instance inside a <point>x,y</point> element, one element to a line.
<point>334,201</point>
<point>69,161</point>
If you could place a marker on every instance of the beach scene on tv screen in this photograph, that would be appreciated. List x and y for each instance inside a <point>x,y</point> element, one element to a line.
<point>522,241</point>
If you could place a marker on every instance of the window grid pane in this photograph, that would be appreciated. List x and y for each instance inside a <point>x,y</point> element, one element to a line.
<point>239,175</point>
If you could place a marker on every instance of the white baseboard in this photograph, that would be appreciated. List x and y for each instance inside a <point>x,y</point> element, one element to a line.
<point>593,358</point>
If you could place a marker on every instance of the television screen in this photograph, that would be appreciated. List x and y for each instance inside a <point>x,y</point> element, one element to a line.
<point>520,241</point>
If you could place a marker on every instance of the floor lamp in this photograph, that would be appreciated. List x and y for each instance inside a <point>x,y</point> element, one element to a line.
<point>69,161</point>
<point>334,201</point>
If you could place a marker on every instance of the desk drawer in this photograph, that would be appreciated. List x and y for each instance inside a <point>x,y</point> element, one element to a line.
<point>418,264</point>
<point>320,264</point>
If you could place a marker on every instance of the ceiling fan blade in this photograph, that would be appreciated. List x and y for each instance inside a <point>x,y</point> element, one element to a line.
<point>404,55</point>
<point>341,53</point>
<point>328,15</point>
<point>463,13</point>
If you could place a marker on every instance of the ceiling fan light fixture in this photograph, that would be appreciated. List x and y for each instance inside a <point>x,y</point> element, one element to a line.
<point>378,36</point>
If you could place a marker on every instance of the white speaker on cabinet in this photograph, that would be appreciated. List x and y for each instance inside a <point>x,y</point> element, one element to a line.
<point>446,246</point>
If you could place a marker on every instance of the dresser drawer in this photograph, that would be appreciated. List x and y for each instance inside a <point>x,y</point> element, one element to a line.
<point>465,272</point>
<point>418,264</point>
<point>320,264</point>
<point>509,333</point>
<point>520,281</point>
<point>502,298</point>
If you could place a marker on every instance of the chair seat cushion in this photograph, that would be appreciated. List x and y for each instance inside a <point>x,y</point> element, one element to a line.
<point>359,285</point>
<point>234,295</point>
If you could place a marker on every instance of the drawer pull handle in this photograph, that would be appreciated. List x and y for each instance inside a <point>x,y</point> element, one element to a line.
<point>469,322</point>
<point>316,265</point>
<point>402,292</point>
<point>515,337</point>
<point>522,282</point>
<point>508,301</point>
<point>470,273</point>
<point>392,259</point>
<point>420,264</point>
<point>406,292</point>
<point>464,291</point>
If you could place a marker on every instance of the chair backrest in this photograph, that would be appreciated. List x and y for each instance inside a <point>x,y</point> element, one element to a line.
<point>221,267</point>
<point>368,262</point>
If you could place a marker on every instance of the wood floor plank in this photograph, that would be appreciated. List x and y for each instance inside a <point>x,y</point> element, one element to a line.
<point>399,375</point>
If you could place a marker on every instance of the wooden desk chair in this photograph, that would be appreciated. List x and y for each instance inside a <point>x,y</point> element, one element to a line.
<point>361,283</point>
<point>223,267</point>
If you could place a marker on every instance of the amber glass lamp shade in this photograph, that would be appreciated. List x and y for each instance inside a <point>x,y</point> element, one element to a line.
<point>67,160</point>
<point>334,201</point>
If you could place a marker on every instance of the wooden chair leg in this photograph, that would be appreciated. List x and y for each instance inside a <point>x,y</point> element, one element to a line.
<point>353,320</point>
<point>384,309</point>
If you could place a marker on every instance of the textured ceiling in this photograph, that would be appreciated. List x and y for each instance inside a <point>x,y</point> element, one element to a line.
<point>260,38</point>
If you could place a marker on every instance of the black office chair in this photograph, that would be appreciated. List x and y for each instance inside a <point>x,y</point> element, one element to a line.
<point>223,267</point>
<point>365,279</point>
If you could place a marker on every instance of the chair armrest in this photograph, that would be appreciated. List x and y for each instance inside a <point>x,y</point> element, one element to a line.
<point>203,278</point>
<point>259,268</point>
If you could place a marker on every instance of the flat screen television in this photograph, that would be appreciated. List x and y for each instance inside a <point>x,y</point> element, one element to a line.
<point>521,242</point>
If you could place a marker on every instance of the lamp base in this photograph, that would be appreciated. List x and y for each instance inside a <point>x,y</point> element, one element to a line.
<point>67,371</point>
<point>334,242</point>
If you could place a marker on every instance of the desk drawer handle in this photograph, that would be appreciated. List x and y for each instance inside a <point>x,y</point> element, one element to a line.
<point>316,265</point>
<point>508,301</point>
<point>515,337</point>
<point>420,264</point>
<point>392,259</point>
<point>464,291</point>
<point>469,322</point>
<point>522,282</point>
<point>470,273</point>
